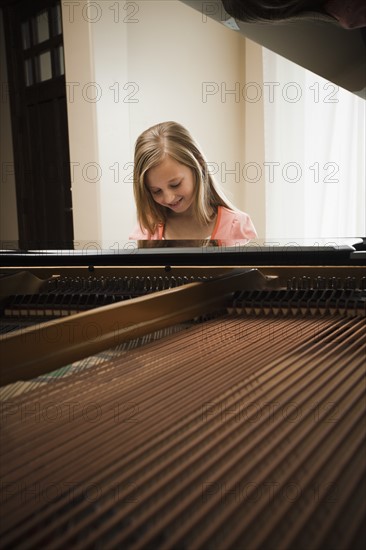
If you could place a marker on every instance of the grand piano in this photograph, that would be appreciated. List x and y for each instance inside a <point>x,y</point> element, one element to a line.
<point>184,394</point>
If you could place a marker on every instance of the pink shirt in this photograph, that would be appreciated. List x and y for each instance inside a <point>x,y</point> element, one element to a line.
<point>230,225</point>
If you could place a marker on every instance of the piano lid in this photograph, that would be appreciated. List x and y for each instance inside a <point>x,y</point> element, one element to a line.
<point>321,46</point>
<point>260,252</point>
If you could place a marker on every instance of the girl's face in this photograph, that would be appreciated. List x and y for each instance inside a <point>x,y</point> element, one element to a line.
<point>171,184</point>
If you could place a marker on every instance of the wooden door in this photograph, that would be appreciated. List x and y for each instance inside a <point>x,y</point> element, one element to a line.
<point>37,88</point>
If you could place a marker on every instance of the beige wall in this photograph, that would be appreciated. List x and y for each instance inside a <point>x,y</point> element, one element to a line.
<point>8,208</point>
<point>79,71</point>
<point>156,61</point>
<point>254,136</point>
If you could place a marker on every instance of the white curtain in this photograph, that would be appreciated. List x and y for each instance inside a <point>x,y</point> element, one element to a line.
<point>314,154</point>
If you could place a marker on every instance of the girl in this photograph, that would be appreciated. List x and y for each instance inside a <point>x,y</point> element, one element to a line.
<point>176,197</point>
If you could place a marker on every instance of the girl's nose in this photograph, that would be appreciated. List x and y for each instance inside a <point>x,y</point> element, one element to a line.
<point>169,197</point>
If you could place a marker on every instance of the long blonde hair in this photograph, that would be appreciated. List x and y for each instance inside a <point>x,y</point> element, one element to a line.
<point>152,146</point>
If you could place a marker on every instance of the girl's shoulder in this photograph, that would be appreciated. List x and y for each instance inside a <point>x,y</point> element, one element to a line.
<point>233,224</point>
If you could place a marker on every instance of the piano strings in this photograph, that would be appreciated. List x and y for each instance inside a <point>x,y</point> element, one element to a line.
<point>245,430</point>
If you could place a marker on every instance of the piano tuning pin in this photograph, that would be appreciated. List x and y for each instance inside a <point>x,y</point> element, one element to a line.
<point>349,283</point>
<point>147,283</point>
<point>322,283</point>
<point>142,283</point>
<point>146,288</point>
<point>51,284</point>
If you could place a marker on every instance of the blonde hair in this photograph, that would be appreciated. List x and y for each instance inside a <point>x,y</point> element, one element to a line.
<point>173,140</point>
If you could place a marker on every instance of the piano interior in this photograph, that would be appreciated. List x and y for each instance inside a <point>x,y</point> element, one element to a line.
<point>171,406</point>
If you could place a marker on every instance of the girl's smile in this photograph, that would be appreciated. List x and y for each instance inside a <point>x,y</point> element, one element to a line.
<point>175,204</point>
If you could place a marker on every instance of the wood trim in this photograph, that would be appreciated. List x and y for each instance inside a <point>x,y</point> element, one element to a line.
<point>37,350</point>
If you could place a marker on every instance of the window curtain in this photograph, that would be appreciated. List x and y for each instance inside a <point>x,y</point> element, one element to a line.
<point>314,154</point>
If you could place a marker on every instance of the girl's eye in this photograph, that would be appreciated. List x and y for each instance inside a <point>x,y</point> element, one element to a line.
<point>172,185</point>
